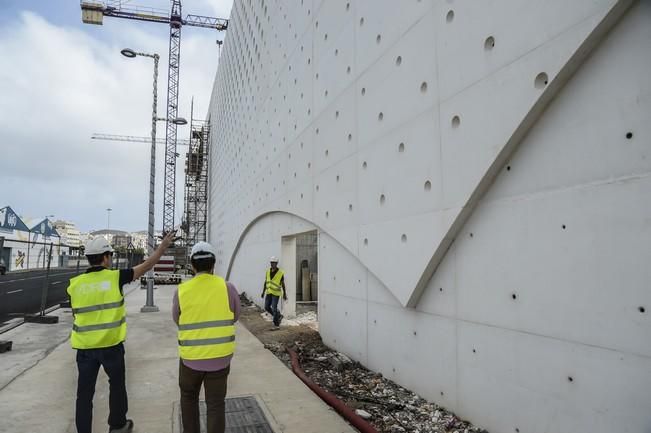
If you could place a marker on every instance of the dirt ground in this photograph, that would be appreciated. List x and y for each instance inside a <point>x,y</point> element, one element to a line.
<point>386,405</point>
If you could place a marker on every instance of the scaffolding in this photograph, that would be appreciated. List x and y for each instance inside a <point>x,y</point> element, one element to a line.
<point>196,184</point>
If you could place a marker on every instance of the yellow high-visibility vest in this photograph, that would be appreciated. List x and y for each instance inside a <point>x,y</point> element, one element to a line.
<point>272,285</point>
<point>206,323</point>
<point>98,308</point>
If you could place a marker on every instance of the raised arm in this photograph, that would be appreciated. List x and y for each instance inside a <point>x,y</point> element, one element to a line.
<point>141,269</point>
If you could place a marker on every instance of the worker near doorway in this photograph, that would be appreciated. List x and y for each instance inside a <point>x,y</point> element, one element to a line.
<point>273,283</point>
<point>205,309</point>
<point>99,330</point>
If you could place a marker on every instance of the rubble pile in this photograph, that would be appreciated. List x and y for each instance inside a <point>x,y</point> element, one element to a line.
<point>389,407</point>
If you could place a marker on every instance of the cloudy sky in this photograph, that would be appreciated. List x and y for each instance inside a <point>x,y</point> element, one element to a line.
<point>62,80</point>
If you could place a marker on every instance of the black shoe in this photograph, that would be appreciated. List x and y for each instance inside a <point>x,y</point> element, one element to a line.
<point>126,428</point>
<point>280,319</point>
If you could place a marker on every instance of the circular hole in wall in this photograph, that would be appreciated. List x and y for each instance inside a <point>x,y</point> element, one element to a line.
<point>641,309</point>
<point>316,24</point>
<point>316,76</point>
<point>309,165</point>
<point>423,87</point>
<point>403,238</point>
<point>450,16</point>
<point>508,168</point>
<point>570,379</point>
<point>363,91</point>
<point>365,241</point>
<point>401,147</point>
<point>326,93</point>
<point>317,131</point>
<point>489,43</point>
<point>327,214</point>
<point>336,52</point>
<point>361,21</point>
<point>564,226</point>
<point>378,39</point>
<point>336,114</point>
<point>301,195</point>
<point>541,80</point>
<point>428,186</point>
<point>337,178</point>
<point>456,121</point>
<point>325,37</point>
<point>514,296</point>
<point>383,199</point>
<point>364,165</point>
<point>380,116</point>
<point>350,207</point>
<point>629,135</point>
<point>348,70</point>
<point>317,187</point>
<point>350,137</point>
<point>398,60</point>
<point>347,6</point>
<point>326,152</point>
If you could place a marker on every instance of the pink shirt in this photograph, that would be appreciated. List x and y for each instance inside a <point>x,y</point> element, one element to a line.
<point>214,364</point>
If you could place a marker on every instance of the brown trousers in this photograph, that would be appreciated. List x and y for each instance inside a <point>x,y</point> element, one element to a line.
<point>215,384</point>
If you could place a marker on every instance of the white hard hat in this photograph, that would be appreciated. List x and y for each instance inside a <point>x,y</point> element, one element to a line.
<point>202,250</point>
<point>99,245</point>
<point>273,259</point>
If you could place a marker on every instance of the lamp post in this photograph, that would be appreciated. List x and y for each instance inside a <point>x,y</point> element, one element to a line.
<point>47,217</point>
<point>108,218</point>
<point>127,52</point>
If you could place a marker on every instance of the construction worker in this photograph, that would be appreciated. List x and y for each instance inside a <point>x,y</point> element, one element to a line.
<point>205,309</point>
<point>99,330</point>
<point>274,281</point>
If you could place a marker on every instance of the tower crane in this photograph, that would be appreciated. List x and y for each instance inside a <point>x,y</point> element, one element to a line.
<point>93,12</point>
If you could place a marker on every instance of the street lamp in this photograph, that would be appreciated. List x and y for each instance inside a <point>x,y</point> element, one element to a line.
<point>108,219</point>
<point>177,121</point>
<point>149,304</point>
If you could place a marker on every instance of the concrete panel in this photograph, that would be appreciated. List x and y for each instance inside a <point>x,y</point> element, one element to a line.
<point>338,311</point>
<point>401,343</point>
<point>581,388</point>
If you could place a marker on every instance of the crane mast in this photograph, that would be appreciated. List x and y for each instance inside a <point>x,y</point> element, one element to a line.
<point>93,12</point>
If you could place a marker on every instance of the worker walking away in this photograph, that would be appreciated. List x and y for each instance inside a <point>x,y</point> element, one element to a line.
<point>205,309</point>
<point>99,330</point>
<point>274,287</point>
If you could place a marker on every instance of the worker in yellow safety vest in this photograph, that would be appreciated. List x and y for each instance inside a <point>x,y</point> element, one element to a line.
<point>99,330</point>
<point>205,309</point>
<point>273,283</point>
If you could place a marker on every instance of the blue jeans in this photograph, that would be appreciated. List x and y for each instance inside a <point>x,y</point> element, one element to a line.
<point>88,364</point>
<point>271,307</point>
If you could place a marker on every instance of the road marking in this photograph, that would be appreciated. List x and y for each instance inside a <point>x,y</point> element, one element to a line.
<point>58,274</point>
<point>14,291</point>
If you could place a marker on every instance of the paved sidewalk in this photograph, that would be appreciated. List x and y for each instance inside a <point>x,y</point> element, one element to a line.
<point>38,378</point>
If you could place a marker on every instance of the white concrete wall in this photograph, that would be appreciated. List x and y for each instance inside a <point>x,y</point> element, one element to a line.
<point>483,210</point>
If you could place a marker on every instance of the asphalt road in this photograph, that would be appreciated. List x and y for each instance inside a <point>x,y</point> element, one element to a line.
<point>20,292</point>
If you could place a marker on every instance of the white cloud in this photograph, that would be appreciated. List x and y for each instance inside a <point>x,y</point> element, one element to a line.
<point>61,84</point>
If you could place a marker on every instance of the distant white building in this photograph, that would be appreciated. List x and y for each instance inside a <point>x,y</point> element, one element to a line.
<point>139,240</point>
<point>70,235</point>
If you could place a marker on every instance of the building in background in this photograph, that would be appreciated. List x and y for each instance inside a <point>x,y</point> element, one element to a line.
<point>139,240</point>
<point>477,175</point>
<point>70,235</point>
<point>26,242</point>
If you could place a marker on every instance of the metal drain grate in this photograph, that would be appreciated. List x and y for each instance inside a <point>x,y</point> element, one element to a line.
<point>243,415</point>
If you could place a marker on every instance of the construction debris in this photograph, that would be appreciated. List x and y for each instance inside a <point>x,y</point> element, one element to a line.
<point>388,406</point>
